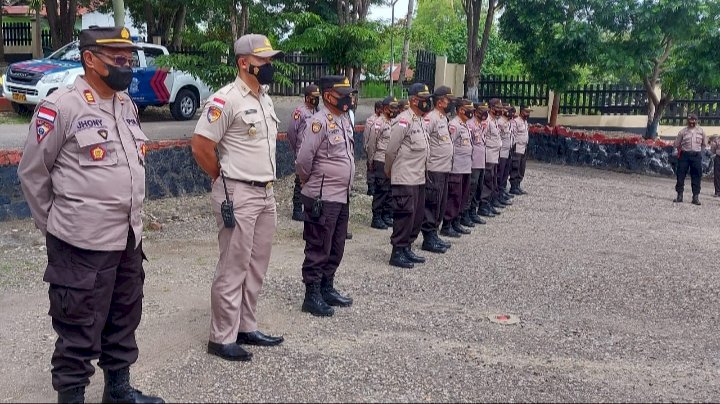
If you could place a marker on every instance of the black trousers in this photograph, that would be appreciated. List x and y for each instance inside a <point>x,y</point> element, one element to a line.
<point>473,200</point>
<point>689,161</point>
<point>381,198</point>
<point>458,191</point>
<point>716,174</point>
<point>408,213</point>
<point>95,305</point>
<point>517,169</point>
<point>436,196</point>
<point>370,175</point>
<point>324,240</point>
<point>296,192</point>
<point>503,173</point>
<point>489,188</point>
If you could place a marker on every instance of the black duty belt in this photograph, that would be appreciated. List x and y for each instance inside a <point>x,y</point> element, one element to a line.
<point>258,184</point>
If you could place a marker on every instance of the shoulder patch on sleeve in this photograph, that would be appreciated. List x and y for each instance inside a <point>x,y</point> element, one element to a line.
<point>452,128</point>
<point>213,114</point>
<point>316,127</point>
<point>217,102</point>
<point>403,122</point>
<point>296,116</point>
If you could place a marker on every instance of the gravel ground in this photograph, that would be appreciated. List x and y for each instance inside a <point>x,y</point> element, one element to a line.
<point>617,289</point>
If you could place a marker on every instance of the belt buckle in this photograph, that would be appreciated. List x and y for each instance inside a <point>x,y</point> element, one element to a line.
<point>269,185</point>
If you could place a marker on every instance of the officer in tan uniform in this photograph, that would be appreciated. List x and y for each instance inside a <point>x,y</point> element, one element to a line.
<point>478,127</point>
<point>519,156</point>
<point>405,164</point>
<point>715,152</point>
<point>296,128</point>
<point>83,176</point>
<point>240,121</point>
<point>493,144</point>
<point>326,166</point>
<point>377,144</point>
<point>690,143</point>
<point>369,127</point>
<point>459,180</point>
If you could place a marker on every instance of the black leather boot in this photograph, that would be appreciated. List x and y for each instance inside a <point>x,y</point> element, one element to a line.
<point>378,223</point>
<point>679,197</point>
<point>485,210</point>
<point>465,219</point>
<point>430,244</point>
<point>75,395</point>
<point>447,230</point>
<point>297,213</point>
<point>399,259</point>
<point>696,200</point>
<point>496,204</point>
<point>458,227</point>
<point>514,190</point>
<point>118,389</point>
<point>522,191</point>
<point>314,302</point>
<point>412,256</point>
<point>332,296</point>
<point>388,219</point>
<point>475,217</point>
<point>507,194</point>
<point>494,210</point>
<point>440,241</point>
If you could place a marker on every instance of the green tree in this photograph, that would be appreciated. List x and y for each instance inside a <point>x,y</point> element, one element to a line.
<point>556,39</point>
<point>672,43</point>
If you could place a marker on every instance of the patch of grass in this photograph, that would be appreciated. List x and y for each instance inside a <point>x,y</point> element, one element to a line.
<point>11,118</point>
<point>376,89</point>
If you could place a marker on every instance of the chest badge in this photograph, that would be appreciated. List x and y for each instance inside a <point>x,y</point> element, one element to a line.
<point>98,153</point>
<point>103,133</point>
<point>296,116</point>
<point>252,131</point>
<point>316,126</point>
<point>332,125</point>
<point>337,138</point>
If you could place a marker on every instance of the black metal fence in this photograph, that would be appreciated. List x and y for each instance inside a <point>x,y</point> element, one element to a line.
<point>308,69</point>
<point>425,69</point>
<point>516,90</point>
<point>706,106</point>
<point>604,99</point>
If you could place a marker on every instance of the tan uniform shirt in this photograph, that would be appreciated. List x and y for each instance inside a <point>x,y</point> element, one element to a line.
<point>505,136</point>
<point>462,154</point>
<point>328,149</point>
<point>296,129</point>
<point>477,136</point>
<point>493,142</point>
<point>408,151</point>
<point>441,148</point>
<point>691,139</point>
<point>245,128</point>
<point>369,127</point>
<point>83,168</point>
<point>522,136</point>
<point>379,139</point>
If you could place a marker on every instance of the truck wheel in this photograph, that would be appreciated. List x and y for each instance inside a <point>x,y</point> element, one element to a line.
<point>21,109</point>
<point>185,105</point>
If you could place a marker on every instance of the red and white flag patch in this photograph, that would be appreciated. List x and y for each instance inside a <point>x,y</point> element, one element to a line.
<point>47,114</point>
<point>403,123</point>
<point>218,102</point>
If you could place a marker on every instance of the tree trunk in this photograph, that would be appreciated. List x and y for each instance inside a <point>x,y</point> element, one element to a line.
<point>472,18</point>
<point>51,7</point>
<point>356,72</point>
<point>179,26</point>
<point>233,19</point>
<point>652,127</point>
<point>555,109</point>
<point>489,18</point>
<point>406,42</point>
<point>149,20</point>
<point>2,40</point>
<point>244,19</point>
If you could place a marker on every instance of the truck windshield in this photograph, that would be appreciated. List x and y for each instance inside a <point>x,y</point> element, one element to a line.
<point>69,52</point>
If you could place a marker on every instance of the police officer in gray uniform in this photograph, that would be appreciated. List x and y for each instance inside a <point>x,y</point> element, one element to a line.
<point>83,176</point>
<point>377,144</point>
<point>296,128</point>
<point>690,143</point>
<point>369,125</point>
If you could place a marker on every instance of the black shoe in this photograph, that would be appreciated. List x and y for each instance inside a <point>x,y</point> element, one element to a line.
<point>73,396</point>
<point>508,195</point>
<point>476,218</point>
<point>314,302</point>
<point>441,242</point>
<point>399,259</point>
<point>458,228</point>
<point>465,219</point>
<point>432,246</point>
<point>494,210</point>
<point>298,214</point>
<point>231,352</point>
<point>448,231</point>
<point>485,211</point>
<point>495,204</point>
<point>371,190</point>
<point>119,390</point>
<point>522,191</point>
<point>679,198</point>
<point>696,200</point>
<point>515,191</point>
<point>413,257</point>
<point>506,202</point>
<point>257,338</point>
<point>331,296</point>
<point>388,219</point>
<point>348,236</point>
<point>378,223</point>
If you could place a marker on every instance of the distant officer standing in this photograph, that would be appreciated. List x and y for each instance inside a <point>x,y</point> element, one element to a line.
<point>459,180</point>
<point>506,135</point>
<point>83,176</point>
<point>690,143</point>
<point>326,166</point>
<point>715,151</point>
<point>493,144</point>
<point>478,127</point>
<point>296,128</point>
<point>240,121</point>
<point>519,155</point>
<point>377,144</point>
<point>438,170</point>
<point>369,127</point>
<point>405,164</point>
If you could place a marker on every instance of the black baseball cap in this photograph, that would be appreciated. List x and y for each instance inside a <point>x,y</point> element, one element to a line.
<point>419,90</point>
<point>341,84</point>
<point>443,91</point>
<point>312,90</point>
<point>390,100</point>
<point>109,37</point>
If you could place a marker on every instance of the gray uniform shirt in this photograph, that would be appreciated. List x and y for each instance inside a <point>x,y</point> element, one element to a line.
<point>379,139</point>
<point>462,146</point>
<point>83,168</point>
<point>477,137</point>
<point>296,129</point>
<point>493,142</point>
<point>691,139</point>
<point>505,136</point>
<point>369,127</point>
<point>408,151</point>
<point>522,137</point>
<point>441,148</point>
<point>327,149</point>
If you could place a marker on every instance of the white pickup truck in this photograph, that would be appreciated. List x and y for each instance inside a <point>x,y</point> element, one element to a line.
<point>26,83</point>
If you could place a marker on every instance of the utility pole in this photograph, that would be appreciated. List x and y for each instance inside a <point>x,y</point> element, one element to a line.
<point>119,12</point>
<point>392,47</point>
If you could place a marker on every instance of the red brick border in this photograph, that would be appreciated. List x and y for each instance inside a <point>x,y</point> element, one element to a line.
<point>596,137</point>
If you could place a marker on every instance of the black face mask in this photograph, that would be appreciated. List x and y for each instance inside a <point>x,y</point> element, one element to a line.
<point>315,101</point>
<point>450,108</point>
<point>392,113</point>
<point>345,103</point>
<point>425,105</point>
<point>468,113</point>
<point>118,78</point>
<point>263,73</point>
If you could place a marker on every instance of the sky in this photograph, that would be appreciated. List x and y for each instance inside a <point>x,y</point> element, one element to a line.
<point>385,12</point>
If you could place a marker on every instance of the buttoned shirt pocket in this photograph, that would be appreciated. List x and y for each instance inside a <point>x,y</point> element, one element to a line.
<point>252,124</point>
<point>95,150</point>
<point>417,140</point>
<point>336,143</point>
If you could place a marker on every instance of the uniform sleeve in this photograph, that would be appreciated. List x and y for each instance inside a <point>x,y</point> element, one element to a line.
<point>216,118</point>
<point>397,134</point>
<point>704,140</point>
<point>293,130</point>
<point>312,139</point>
<point>46,137</point>
<point>678,139</point>
<point>454,132</point>
<point>369,127</point>
<point>372,142</point>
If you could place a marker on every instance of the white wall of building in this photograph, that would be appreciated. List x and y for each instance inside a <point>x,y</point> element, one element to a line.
<point>106,20</point>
